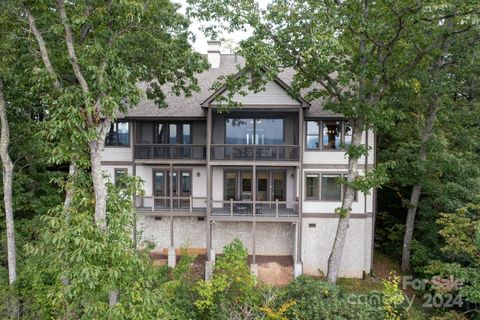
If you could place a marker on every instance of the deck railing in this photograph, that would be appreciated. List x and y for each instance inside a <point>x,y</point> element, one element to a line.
<point>170,151</point>
<point>176,203</point>
<point>245,208</point>
<point>255,152</point>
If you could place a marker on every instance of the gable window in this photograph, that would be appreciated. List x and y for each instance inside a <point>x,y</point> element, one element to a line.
<point>172,133</point>
<point>327,134</point>
<point>325,187</point>
<point>260,131</point>
<point>118,135</point>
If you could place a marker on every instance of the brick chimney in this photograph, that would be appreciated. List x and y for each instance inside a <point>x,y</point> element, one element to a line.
<point>214,53</point>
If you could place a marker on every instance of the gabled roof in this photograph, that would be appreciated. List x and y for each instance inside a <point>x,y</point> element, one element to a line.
<point>305,104</point>
<point>191,107</point>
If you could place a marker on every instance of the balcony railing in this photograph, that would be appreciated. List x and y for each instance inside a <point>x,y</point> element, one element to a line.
<point>255,152</point>
<point>244,208</point>
<point>165,203</point>
<point>170,151</point>
<point>229,208</point>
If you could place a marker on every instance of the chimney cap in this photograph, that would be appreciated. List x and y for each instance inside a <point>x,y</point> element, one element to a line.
<point>214,46</point>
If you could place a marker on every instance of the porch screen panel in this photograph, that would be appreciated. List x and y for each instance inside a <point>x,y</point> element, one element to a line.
<point>239,131</point>
<point>269,131</point>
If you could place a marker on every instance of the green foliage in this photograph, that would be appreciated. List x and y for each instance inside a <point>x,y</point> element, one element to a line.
<point>461,254</point>
<point>393,298</point>
<point>315,299</point>
<point>232,287</point>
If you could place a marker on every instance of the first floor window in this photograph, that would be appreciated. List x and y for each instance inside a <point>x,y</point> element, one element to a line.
<point>311,182</point>
<point>119,173</point>
<point>118,135</point>
<point>324,187</point>
<point>331,189</point>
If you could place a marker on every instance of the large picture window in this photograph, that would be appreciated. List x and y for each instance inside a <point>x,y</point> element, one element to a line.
<point>118,135</point>
<point>261,131</point>
<point>324,187</point>
<point>327,134</point>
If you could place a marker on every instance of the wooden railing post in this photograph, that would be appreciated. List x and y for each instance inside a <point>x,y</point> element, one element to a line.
<point>231,207</point>
<point>191,203</point>
<point>153,203</point>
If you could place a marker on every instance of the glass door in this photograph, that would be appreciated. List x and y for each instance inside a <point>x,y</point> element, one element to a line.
<point>160,190</point>
<point>230,186</point>
<point>185,189</point>
<point>278,192</point>
<point>262,186</point>
<point>246,186</point>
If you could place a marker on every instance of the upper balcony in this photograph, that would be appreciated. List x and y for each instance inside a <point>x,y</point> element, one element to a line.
<point>248,135</point>
<point>170,140</point>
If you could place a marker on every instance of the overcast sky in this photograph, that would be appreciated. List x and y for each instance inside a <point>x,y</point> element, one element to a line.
<point>201,41</point>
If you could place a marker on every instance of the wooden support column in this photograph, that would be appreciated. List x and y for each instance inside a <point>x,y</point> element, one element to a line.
<point>254,242</point>
<point>171,186</point>
<point>171,231</point>
<point>134,173</point>
<point>301,134</point>
<point>209,183</point>
<point>254,190</point>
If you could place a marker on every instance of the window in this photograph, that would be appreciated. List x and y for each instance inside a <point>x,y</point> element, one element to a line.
<point>172,133</point>
<point>348,134</point>
<point>118,135</point>
<point>325,187</point>
<point>119,173</point>
<point>331,134</point>
<point>254,131</point>
<point>313,130</point>
<point>311,183</point>
<point>331,190</point>
<point>330,137</point>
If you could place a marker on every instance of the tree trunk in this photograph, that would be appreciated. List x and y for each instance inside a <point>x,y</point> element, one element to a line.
<point>424,138</point>
<point>416,190</point>
<point>99,187</point>
<point>57,85</point>
<point>7,188</point>
<point>349,196</point>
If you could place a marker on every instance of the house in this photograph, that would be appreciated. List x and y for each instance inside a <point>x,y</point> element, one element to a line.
<point>265,173</point>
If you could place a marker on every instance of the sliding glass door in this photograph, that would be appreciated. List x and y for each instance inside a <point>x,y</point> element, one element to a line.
<point>271,185</point>
<point>180,188</point>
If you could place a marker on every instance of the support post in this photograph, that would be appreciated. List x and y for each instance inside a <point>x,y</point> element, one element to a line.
<point>171,231</point>
<point>254,190</point>
<point>254,242</point>
<point>209,185</point>
<point>301,134</point>
<point>171,186</point>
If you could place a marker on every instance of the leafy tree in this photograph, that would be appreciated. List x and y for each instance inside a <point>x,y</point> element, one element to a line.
<point>348,53</point>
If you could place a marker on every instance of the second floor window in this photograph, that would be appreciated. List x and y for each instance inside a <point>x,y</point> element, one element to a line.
<point>327,134</point>
<point>118,135</point>
<point>172,133</point>
<point>254,131</point>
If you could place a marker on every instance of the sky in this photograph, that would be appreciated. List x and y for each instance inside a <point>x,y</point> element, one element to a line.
<point>200,44</point>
